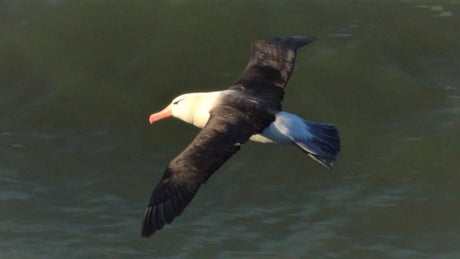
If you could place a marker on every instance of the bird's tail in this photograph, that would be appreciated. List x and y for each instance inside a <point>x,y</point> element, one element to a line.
<point>322,142</point>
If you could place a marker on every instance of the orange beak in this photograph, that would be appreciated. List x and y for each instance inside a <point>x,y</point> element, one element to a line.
<point>165,113</point>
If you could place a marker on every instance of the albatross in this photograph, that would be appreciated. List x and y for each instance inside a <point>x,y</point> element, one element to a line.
<point>250,109</point>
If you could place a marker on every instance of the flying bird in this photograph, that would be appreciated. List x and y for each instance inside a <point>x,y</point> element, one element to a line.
<point>250,109</point>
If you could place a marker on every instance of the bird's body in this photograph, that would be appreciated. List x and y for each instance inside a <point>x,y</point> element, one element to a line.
<point>248,110</point>
<point>283,130</point>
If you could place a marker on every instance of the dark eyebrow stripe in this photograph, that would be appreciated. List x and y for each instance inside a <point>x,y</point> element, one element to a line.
<point>176,102</point>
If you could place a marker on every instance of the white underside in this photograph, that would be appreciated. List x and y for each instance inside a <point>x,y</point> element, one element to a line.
<point>283,130</point>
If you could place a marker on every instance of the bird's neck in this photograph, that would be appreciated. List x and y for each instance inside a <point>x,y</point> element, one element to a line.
<point>199,111</point>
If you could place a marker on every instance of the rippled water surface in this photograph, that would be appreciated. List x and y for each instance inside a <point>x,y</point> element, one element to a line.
<point>78,159</point>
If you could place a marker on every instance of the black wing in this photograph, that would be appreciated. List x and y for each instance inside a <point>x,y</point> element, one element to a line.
<point>269,68</point>
<point>227,128</point>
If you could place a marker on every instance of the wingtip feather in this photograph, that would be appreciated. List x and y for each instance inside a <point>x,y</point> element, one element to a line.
<point>147,229</point>
<point>163,211</point>
<point>294,42</point>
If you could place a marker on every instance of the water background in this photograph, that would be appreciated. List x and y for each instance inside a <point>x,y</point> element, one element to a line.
<point>78,159</point>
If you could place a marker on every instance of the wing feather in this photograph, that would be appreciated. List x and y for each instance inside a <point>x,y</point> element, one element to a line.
<point>227,128</point>
<point>270,66</point>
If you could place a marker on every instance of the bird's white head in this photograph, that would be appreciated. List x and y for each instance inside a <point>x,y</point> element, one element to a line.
<point>182,107</point>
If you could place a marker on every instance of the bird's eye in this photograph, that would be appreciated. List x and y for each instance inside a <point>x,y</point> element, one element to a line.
<point>176,102</point>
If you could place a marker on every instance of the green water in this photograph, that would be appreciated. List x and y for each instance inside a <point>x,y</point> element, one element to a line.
<point>78,159</point>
